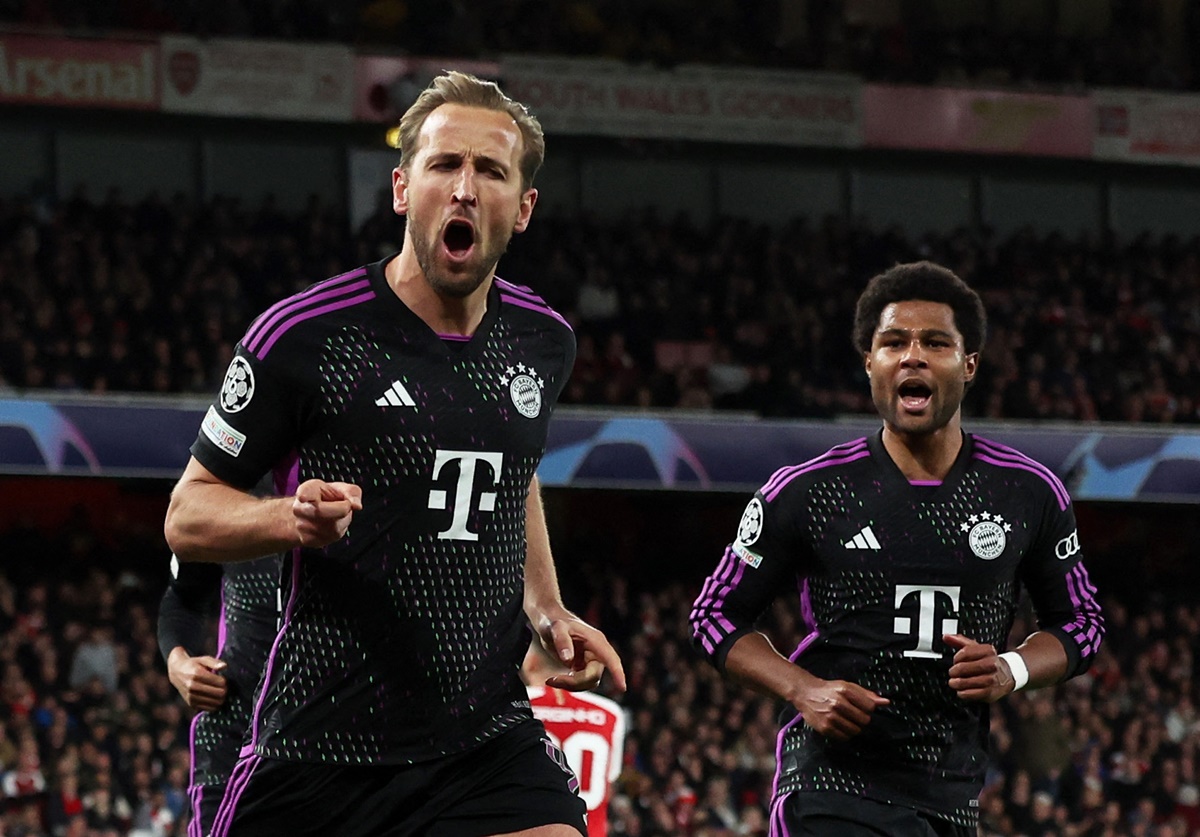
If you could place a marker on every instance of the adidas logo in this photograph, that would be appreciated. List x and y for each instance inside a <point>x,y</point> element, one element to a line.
<point>863,540</point>
<point>396,396</point>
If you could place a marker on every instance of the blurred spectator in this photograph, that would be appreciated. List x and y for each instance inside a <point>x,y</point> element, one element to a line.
<point>26,779</point>
<point>64,804</point>
<point>95,659</point>
<point>1043,747</point>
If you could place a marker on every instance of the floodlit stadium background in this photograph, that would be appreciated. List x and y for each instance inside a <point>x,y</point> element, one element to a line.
<point>719,184</point>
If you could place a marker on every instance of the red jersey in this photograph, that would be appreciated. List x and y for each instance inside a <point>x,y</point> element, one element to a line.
<point>590,730</point>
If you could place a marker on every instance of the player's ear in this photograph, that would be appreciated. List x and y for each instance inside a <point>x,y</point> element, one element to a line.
<point>971,365</point>
<point>399,191</point>
<point>525,211</point>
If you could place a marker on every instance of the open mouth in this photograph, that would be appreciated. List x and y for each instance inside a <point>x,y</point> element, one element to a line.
<point>914,394</point>
<point>459,238</point>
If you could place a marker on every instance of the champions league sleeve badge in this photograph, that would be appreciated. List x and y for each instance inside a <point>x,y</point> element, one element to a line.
<point>238,388</point>
<point>749,528</point>
<point>525,388</point>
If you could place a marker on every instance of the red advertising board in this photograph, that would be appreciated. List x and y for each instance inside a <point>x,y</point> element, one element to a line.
<point>77,72</point>
<point>977,121</point>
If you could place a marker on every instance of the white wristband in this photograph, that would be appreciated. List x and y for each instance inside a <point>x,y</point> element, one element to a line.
<point>1020,671</point>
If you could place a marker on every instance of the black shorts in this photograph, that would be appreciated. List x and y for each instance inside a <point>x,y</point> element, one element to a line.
<point>515,781</point>
<point>205,799</point>
<point>811,814</point>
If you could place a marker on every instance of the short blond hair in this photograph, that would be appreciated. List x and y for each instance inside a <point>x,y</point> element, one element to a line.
<point>465,89</point>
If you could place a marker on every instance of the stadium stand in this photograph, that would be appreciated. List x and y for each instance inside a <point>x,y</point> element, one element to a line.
<point>1013,44</point>
<point>152,296</point>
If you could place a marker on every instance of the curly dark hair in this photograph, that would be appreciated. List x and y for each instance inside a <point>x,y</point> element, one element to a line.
<point>925,281</point>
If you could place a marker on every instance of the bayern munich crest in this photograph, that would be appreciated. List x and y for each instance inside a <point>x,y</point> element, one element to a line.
<point>525,388</point>
<point>238,388</point>
<point>987,534</point>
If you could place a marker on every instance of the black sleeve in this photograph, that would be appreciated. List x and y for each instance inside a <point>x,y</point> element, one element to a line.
<point>765,558</point>
<point>191,597</point>
<point>1063,596</point>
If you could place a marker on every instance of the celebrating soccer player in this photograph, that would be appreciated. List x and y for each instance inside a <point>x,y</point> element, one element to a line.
<point>403,408</point>
<point>909,549</point>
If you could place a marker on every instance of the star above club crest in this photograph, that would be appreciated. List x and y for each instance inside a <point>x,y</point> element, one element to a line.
<point>973,518</point>
<point>966,527</point>
<point>985,515</point>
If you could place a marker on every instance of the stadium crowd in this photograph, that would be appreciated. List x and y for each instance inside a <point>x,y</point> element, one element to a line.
<point>93,738</point>
<point>1046,45</point>
<point>152,296</point>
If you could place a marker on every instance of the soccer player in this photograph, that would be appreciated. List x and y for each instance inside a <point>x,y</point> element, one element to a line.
<point>221,686</point>
<point>908,549</point>
<point>587,727</point>
<point>404,408</point>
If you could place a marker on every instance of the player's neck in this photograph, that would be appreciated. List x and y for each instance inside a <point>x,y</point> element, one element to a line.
<point>924,457</point>
<point>442,313</point>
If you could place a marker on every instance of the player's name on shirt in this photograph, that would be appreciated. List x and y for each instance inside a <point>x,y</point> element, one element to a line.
<point>571,714</point>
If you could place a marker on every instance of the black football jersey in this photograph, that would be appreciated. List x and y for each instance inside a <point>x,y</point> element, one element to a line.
<point>401,641</point>
<point>882,569</point>
<point>245,598</point>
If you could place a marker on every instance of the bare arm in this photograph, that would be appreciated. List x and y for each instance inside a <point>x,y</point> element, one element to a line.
<point>979,673</point>
<point>210,520</point>
<point>836,709</point>
<point>577,644</point>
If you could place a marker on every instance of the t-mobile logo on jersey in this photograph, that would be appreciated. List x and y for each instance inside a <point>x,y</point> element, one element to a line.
<point>927,629</point>
<point>467,460</point>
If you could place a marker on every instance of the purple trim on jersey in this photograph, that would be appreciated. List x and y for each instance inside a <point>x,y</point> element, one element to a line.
<point>287,478</point>
<point>521,294</point>
<point>1085,629</point>
<point>541,309</point>
<point>995,453</point>
<point>286,475</point>
<point>287,619</point>
<point>839,455</point>
<point>779,739</point>
<point>518,290</point>
<point>778,825</point>
<point>193,789</point>
<point>315,312</point>
<point>222,627</point>
<point>929,483</point>
<point>456,338</point>
<point>194,829</point>
<point>712,598</point>
<point>322,290</point>
<point>238,779</point>
<point>806,614</point>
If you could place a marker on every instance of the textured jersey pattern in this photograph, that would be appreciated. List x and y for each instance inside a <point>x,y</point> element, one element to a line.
<point>402,641</point>
<point>944,559</point>
<point>249,592</point>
